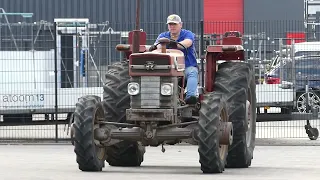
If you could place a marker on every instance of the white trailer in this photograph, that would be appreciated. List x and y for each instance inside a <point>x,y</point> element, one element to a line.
<point>28,78</point>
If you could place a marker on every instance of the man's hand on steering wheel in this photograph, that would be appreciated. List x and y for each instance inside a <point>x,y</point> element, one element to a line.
<point>173,44</point>
<point>153,47</point>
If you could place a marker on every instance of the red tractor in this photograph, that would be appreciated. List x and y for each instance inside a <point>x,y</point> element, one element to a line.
<point>143,106</point>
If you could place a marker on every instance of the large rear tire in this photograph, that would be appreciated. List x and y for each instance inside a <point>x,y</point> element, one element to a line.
<point>116,100</point>
<point>89,155</point>
<point>125,154</point>
<point>212,154</point>
<point>237,82</point>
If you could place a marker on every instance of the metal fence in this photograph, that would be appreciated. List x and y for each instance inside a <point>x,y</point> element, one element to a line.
<point>46,67</point>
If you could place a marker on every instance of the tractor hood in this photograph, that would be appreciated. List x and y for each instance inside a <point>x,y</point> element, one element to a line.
<point>156,63</point>
<point>172,53</point>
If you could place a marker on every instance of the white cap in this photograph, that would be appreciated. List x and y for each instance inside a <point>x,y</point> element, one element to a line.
<point>173,18</point>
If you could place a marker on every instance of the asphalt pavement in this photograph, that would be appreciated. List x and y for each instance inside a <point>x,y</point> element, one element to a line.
<point>52,162</point>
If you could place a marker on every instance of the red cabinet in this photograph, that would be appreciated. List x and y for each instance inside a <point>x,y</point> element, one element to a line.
<point>297,36</point>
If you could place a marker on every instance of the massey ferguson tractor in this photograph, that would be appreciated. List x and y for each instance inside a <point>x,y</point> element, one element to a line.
<point>143,105</point>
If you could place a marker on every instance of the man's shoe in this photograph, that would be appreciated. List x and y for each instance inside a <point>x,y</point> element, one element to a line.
<point>192,100</point>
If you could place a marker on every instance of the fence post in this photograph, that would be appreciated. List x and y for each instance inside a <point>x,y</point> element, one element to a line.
<point>281,60</point>
<point>202,51</point>
<point>56,81</point>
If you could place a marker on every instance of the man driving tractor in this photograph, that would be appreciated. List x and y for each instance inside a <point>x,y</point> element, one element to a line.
<point>186,38</point>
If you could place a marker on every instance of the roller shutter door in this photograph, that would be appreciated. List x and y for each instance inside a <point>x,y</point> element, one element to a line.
<point>223,15</point>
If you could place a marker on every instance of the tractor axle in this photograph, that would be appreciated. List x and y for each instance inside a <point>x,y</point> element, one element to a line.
<point>111,134</point>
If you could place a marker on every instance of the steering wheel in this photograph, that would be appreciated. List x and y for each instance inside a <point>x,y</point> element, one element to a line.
<point>174,41</point>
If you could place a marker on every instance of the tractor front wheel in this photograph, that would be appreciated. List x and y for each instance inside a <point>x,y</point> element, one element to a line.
<point>212,114</point>
<point>90,156</point>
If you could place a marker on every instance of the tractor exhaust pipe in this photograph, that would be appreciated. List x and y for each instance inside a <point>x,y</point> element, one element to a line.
<point>136,32</point>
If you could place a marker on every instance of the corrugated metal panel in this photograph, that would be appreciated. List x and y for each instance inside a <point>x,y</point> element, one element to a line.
<point>105,10</point>
<point>119,13</point>
<point>273,10</point>
<point>274,18</point>
<point>223,15</point>
<point>284,18</point>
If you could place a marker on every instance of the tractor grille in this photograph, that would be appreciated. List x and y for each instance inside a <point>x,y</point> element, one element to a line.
<point>150,92</point>
<point>150,96</point>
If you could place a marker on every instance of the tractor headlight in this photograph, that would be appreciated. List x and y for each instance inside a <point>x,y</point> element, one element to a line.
<point>133,88</point>
<point>166,89</point>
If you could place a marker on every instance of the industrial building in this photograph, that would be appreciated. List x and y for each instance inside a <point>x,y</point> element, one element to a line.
<point>260,21</point>
<point>276,18</point>
<point>123,11</point>
<point>220,15</point>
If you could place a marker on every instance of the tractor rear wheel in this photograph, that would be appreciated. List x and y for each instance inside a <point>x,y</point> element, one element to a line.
<point>125,154</point>
<point>212,155</point>
<point>89,155</point>
<point>116,100</point>
<point>236,80</point>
